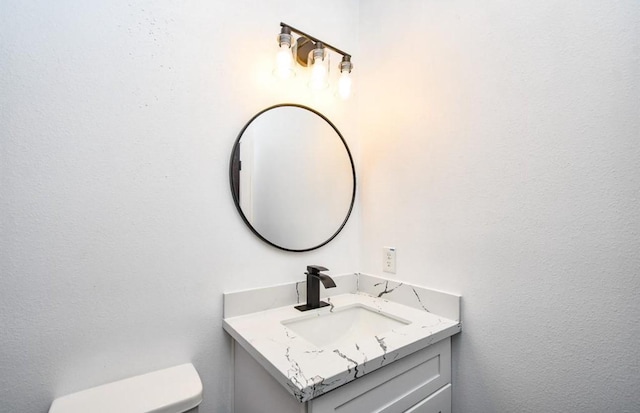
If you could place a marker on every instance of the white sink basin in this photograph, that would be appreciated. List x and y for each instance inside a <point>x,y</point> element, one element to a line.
<point>345,324</point>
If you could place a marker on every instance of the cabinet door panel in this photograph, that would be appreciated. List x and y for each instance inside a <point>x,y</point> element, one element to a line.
<point>439,402</point>
<point>393,388</point>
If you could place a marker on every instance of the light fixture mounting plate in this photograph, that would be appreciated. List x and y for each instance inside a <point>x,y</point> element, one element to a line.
<point>303,47</point>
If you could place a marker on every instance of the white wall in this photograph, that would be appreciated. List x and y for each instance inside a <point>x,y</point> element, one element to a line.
<point>118,232</point>
<point>500,148</point>
<point>500,156</point>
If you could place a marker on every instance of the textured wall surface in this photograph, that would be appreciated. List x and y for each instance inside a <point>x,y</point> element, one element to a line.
<point>118,234</point>
<point>500,147</point>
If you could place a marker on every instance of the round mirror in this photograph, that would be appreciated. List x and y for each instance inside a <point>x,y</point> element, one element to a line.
<point>292,177</point>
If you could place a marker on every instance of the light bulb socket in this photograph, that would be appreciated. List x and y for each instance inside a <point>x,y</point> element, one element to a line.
<point>345,64</point>
<point>318,52</point>
<point>284,38</point>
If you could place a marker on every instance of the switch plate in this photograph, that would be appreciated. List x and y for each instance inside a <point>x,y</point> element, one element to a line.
<point>389,259</point>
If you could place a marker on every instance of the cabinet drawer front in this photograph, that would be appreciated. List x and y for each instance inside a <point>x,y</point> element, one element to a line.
<point>393,388</point>
<point>439,402</point>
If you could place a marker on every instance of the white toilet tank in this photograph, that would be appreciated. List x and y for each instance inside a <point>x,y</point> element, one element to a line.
<point>173,390</point>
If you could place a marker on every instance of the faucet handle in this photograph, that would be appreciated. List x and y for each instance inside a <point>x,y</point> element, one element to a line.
<point>315,269</point>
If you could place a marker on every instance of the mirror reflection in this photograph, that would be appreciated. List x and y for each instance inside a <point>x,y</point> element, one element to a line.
<point>292,177</point>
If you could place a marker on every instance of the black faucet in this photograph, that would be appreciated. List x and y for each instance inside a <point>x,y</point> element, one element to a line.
<point>313,287</point>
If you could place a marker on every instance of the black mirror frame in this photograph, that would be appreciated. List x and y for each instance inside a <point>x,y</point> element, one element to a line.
<point>236,201</point>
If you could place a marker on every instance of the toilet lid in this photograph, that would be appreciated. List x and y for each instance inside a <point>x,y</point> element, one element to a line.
<point>173,390</point>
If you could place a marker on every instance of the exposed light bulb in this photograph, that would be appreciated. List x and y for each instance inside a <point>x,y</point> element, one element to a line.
<point>319,68</point>
<point>318,76</point>
<point>344,85</point>
<point>284,63</point>
<point>284,57</point>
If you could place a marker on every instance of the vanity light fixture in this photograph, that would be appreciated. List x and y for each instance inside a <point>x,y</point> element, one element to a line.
<point>311,51</point>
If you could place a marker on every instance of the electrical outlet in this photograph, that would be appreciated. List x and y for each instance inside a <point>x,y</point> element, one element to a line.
<point>389,259</point>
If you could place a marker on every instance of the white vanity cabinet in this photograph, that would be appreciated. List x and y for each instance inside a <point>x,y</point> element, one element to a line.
<point>417,383</point>
<point>380,346</point>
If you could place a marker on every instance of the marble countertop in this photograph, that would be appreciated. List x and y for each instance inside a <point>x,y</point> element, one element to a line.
<point>307,371</point>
